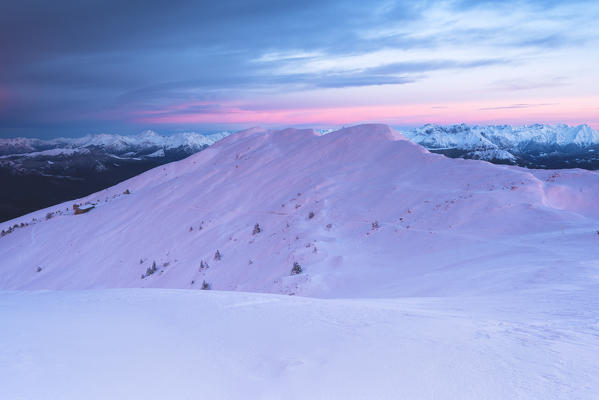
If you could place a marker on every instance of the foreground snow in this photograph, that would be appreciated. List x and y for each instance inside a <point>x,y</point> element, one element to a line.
<point>178,344</point>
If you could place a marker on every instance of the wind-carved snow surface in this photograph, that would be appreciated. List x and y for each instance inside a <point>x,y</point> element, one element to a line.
<point>438,278</point>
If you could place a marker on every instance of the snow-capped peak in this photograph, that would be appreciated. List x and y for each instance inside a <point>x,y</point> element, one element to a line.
<point>497,136</point>
<point>114,142</point>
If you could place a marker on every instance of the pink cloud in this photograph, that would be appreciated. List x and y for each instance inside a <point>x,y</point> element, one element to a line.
<point>571,111</point>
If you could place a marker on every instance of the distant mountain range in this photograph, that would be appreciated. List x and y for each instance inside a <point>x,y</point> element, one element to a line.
<point>37,173</point>
<point>128,146</point>
<point>532,146</point>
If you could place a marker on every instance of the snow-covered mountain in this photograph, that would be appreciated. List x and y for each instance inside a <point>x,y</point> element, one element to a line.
<point>448,278</point>
<point>534,146</point>
<point>118,144</point>
<point>44,172</point>
<point>362,196</point>
<point>22,156</point>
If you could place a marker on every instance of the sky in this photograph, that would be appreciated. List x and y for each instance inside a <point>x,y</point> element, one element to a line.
<point>70,68</point>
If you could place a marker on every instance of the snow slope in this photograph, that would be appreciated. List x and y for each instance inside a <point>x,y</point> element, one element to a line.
<point>438,219</point>
<point>37,173</point>
<point>424,277</point>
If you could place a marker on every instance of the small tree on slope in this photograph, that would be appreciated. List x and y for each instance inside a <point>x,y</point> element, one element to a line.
<point>297,269</point>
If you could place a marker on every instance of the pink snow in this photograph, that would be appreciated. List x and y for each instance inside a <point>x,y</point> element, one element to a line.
<point>423,277</point>
<point>437,217</point>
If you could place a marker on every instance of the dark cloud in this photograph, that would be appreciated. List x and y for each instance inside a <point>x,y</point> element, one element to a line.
<point>34,29</point>
<point>69,64</point>
<point>62,59</point>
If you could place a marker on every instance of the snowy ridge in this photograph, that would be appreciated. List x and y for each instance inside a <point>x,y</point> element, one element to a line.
<point>438,278</point>
<point>326,202</point>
